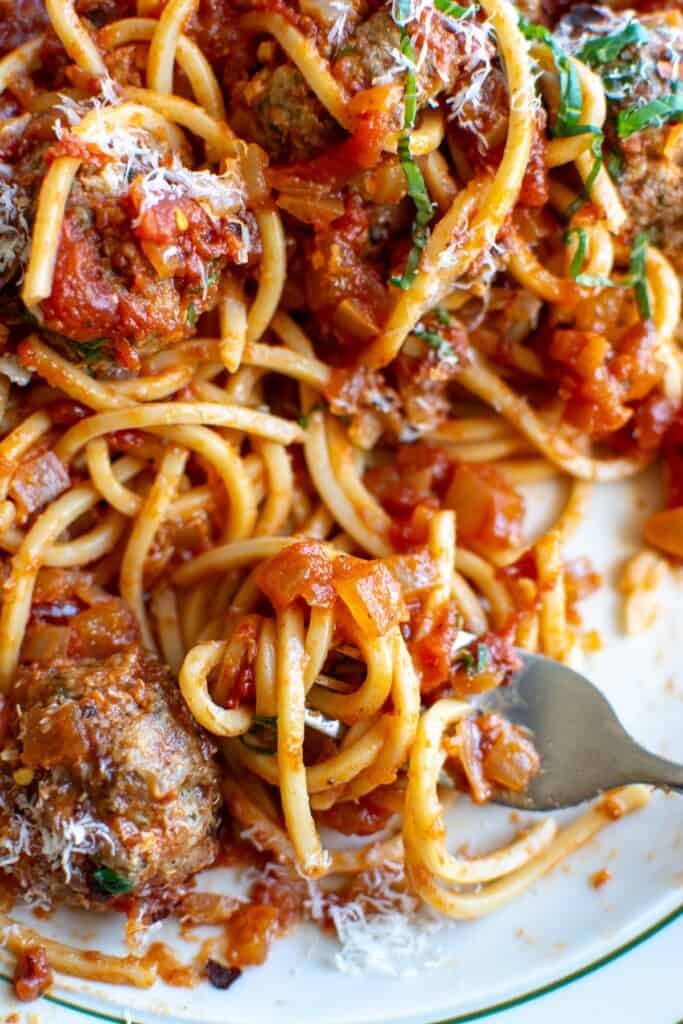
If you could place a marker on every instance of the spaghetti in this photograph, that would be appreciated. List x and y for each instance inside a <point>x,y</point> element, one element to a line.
<point>291,306</point>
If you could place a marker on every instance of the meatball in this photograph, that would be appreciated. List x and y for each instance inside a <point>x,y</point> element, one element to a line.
<point>372,55</point>
<point>650,179</point>
<point>19,21</point>
<point>108,790</point>
<point>277,110</point>
<point>144,243</point>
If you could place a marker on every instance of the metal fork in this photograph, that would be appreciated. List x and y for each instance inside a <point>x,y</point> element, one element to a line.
<point>584,748</point>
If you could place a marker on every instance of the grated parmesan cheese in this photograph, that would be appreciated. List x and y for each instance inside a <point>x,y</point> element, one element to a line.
<point>14,230</point>
<point>73,836</point>
<point>341,10</point>
<point>12,369</point>
<point>218,194</point>
<point>466,104</point>
<point>133,152</point>
<point>387,930</point>
<point>15,847</point>
<point>60,844</point>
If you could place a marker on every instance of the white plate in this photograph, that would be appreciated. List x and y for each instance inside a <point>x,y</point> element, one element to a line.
<point>560,927</point>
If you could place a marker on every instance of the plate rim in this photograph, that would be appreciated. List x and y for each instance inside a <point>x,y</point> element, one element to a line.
<point>501,1006</point>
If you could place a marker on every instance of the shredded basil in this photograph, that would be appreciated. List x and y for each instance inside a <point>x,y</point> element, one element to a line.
<point>305,418</point>
<point>585,194</point>
<point>607,49</point>
<point>89,351</point>
<point>442,315</point>
<point>452,10</point>
<point>578,259</point>
<point>567,119</point>
<point>637,277</point>
<point>596,151</point>
<point>468,661</point>
<point>650,115</point>
<point>111,882</point>
<point>473,665</point>
<point>443,348</point>
<point>267,724</point>
<point>569,110</point>
<point>615,164</point>
<point>581,247</point>
<point>417,190</point>
<point>191,315</point>
<point>213,275</point>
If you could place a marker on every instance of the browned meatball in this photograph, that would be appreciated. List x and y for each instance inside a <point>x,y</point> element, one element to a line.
<point>144,243</point>
<point>650,180</point>
<point>107,788</point>
<point>372,55</point>
<point>277,110</point>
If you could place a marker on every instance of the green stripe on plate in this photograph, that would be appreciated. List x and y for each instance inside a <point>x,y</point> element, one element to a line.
<point>506,1004</point>
<point>581,972</point>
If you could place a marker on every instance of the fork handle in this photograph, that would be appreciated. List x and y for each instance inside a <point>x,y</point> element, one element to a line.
<point>657,771</point>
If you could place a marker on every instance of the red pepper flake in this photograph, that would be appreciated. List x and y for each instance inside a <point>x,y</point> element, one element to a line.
<point>600,878</point>
<point>221,976</point>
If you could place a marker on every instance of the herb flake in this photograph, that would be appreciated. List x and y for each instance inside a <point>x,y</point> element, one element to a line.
<point>607,49</point>
<point>650,115</point>
<point>417,189</point>
<point>442,347</point>
<point>637,277</point>
<point>266,726</point>
<point>111,882</point>
<point>581,248</point>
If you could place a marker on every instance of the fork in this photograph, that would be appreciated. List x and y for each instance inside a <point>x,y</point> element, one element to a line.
<point>583,747</point>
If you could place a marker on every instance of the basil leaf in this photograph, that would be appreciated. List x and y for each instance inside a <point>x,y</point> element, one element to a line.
<point>637,277</point>
<point>417,190</point>
<point>585,194</point>
<point>467,660</point>
<point>442,315</point>
<point>650,115</point>
<point>89,351</point>
<point>473,666</point>
<point>443,348</point>
<point>581,248</point>
<point>615,164</point>
<point>596,150</point>
<point>266,724</point>
<point>569,110</point>
<point>531,31</point>
<point>304,419</point>
<point>111,882</point>
<point>568,117</point>
<point>410,97</point>
<point>452,10</point>
<point>191,315</point>
<point>607,49</point>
